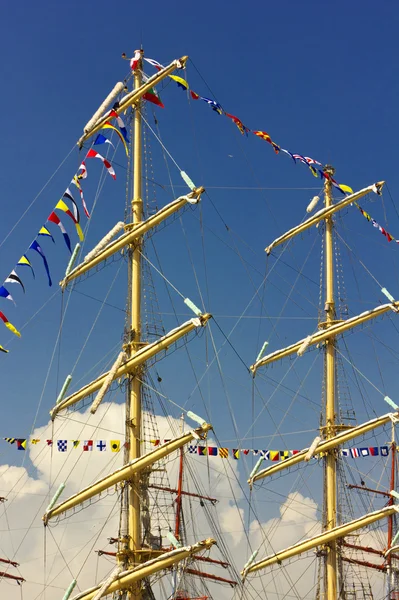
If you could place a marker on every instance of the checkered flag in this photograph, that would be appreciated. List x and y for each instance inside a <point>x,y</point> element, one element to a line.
<point>62,445</point>
<point>88,446</point>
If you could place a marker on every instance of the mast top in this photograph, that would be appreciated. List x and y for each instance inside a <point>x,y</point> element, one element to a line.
<point>329,169</point>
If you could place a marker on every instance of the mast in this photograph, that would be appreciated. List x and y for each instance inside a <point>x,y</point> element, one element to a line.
<point>179,487</point>
<point>329,428</point>
<point>134,390</point>
<point>390,572</point>
<point>333,433</point>
<point>136,560</point>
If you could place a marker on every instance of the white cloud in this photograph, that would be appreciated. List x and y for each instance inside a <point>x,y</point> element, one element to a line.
<point>71,545</point>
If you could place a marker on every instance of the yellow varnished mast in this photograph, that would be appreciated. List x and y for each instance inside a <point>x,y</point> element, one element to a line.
<point>334,434</point>
<point>135,563</point>
<point>134,399</point>
<point>330,429</point>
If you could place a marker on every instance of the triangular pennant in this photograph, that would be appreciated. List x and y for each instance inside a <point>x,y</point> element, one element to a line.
<point>101,139</point>
<point>45,232</point>
<point>181,83</point>
<point>93,154</point>
<point>53,218</point>
<point>75,182</point>
<point>4,293</point>
<point>67,194</point>
<point>109,126</point>
<point>13,278</point>
<point>153,96</point>
<point>9,325</point>
<point>37,248</point>
<point>25,262</point>
<point>62,206</point>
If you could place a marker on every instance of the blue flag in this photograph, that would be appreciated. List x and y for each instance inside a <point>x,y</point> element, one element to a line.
<point>101,139</point>
<point>35,246</point>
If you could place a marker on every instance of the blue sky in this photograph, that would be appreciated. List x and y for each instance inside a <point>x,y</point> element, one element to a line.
<point>321,80</point>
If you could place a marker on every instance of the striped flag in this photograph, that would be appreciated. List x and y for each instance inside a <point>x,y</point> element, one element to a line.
<point>93,154</point>
<point>13,278</point>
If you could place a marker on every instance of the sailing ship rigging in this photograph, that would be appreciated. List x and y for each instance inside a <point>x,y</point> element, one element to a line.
<point>331,541</point>
<point>153,553</point>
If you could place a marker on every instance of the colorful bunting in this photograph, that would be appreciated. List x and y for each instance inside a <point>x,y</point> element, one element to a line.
<point>308,161</point>
<point>234,453</point>
<point>381,229</point>
<point>151,96</point>
<point>9,325</point>
<point>37,248</point>
<point>93,154</point>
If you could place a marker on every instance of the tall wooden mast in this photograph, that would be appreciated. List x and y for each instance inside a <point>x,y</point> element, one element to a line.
<point>334,434</point>
<point>135,562</point>
<point>329,430</point>
<point>391,501</point>
<point>134,399</point>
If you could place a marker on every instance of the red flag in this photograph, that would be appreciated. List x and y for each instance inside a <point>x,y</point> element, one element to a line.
<point>93,154</point>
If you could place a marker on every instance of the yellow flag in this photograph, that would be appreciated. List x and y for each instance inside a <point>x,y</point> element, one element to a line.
<point>109,126</point>
<point>180,81</point>
<point>346,188</point>
<point>115,445</point>
<point>11,327</point>
<point>80,232</point>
